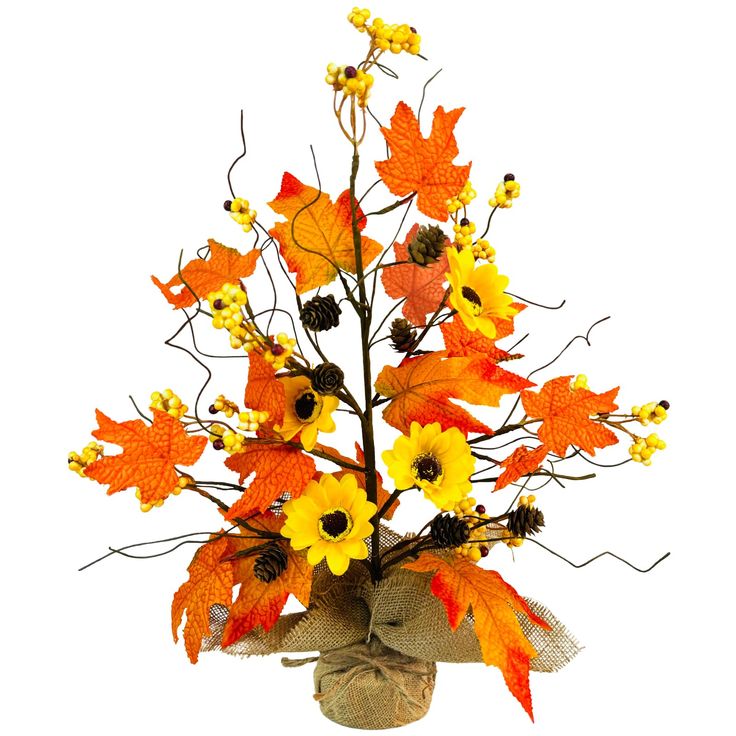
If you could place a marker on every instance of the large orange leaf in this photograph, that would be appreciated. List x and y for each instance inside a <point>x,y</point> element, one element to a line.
<point>422,286</point>
<point>460,341</point>
<point>423,165</point>
<point>382,493</point>
<point>464,587</point>
<point>203,276</point>
<point>420,390</point>
<point>278,468</point>
<point>520,462</point>
<point>260,604</point>
<point>149,455</point>
<point>210,581</point>
<point>566,415</point>
<point>322,234</point>
<point>264,392</point>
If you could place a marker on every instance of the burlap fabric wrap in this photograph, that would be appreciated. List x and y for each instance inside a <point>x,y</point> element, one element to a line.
<point>379,643</point>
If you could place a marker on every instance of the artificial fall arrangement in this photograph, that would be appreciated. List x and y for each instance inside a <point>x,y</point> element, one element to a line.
<point>295,516</point>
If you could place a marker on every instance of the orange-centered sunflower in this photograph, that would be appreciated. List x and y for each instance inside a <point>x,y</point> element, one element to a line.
<point>438,462</point>
<point>478,293</point>
<point>331,518</point>
<point>306,411</point>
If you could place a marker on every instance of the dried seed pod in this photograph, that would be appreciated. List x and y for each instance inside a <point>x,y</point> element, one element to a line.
<point>403,335</point>
<point>449,531</point>
<point>525,520</point>
<point>320,313</point>
<point>427,245</point>
<point>327,379</point>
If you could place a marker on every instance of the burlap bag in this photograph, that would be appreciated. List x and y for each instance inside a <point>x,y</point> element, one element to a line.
<point>378,644</point>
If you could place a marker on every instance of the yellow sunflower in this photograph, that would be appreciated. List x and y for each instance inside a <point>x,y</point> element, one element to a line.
<point>438,462</point>
<point>331,518</point>
<point>306,411</point>
<point>478,293</point>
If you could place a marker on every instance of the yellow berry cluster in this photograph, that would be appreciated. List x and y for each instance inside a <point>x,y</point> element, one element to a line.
<point>643,448</point>
<point>358,17</point>
<point>471,550</point>
<point>506,192</point>
<point>281,351</point>
<point>580,381</point>
<point>464,231</point>
<point>395,37</point>
<point>250,421</point>
<point>227,407</point>
<point>241,212</point>
<point>225,439</point>
<point>651,412</point>
<point>350,81</point>
<point>169,402</point>
<point>184,481</point>
<point>79,462</point>
<point>227,314</point>
<point>483,250</point>
<point>461,200</point>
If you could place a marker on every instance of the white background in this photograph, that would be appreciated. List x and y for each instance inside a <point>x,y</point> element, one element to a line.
<point>120,121</point>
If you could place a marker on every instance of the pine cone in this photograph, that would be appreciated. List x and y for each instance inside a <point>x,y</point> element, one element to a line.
<point>327,379</point>
<point>449,531</point>
<point>320,313</point>
<point>525,520</point>
<point>427,245</point>
<point>403,335</point>
<point>270,563</point>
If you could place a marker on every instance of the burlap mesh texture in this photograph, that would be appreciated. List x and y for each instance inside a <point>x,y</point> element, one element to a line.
<point>361,628</point>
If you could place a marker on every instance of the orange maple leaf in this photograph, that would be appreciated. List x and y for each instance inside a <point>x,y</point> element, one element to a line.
<point>382,493</point>
<point>460,341</point>
<point>149,455</point>
<point>203,276</point>
<point>317,236</point>
<point>520,462</point>
<point>463,586</point>
<point>421,286</point>
<point>210,581</point>
<point>260,604</point>
<point>278,468</point>
<point>420,390</point>
<point>264,392</point>
<point>423,165</point>
<point>566,416</point>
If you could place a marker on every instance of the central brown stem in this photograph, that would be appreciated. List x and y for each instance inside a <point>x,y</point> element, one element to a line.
<point>364,313</point>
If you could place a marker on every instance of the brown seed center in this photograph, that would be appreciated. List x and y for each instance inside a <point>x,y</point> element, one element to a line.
<point>426,467</point>
<point>471,295</point>
<point>307,406</point>
<point>335,524</point>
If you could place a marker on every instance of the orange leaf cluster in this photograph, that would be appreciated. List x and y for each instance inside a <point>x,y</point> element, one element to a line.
<point>278,468</point>
<point>260,604</point>
<point>421,286</point>
<point>317,236</point>
<point>420,390</point>
<point>149,455</point>
<point>464,588</point>
<point>423,165</point>
<point>460,341</point>
<point>520,462</point>
<point>210,582</point>
<point>264,392</point>
<point>565,414</point>
<point>225,265</point>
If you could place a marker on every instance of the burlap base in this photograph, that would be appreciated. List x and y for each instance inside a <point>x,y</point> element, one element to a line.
<point>379,642</point>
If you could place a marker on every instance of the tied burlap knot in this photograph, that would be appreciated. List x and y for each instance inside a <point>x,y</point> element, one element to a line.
<point>379,642</point>
<point>371,686</point>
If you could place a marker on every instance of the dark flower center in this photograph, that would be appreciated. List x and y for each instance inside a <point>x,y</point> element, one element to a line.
<point>426,467</point>
<point>307,406</point>
<point>335,524</point>
<point>472,296</point>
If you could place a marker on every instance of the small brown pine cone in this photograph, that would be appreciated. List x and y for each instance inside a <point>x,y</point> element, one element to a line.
<point>449,531</point>
<point>427,245</point>
<point>270,563</point>
<point>525,520</point>
<point>320,313</point>
<point>327,379</point>
<point>403,335</point>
